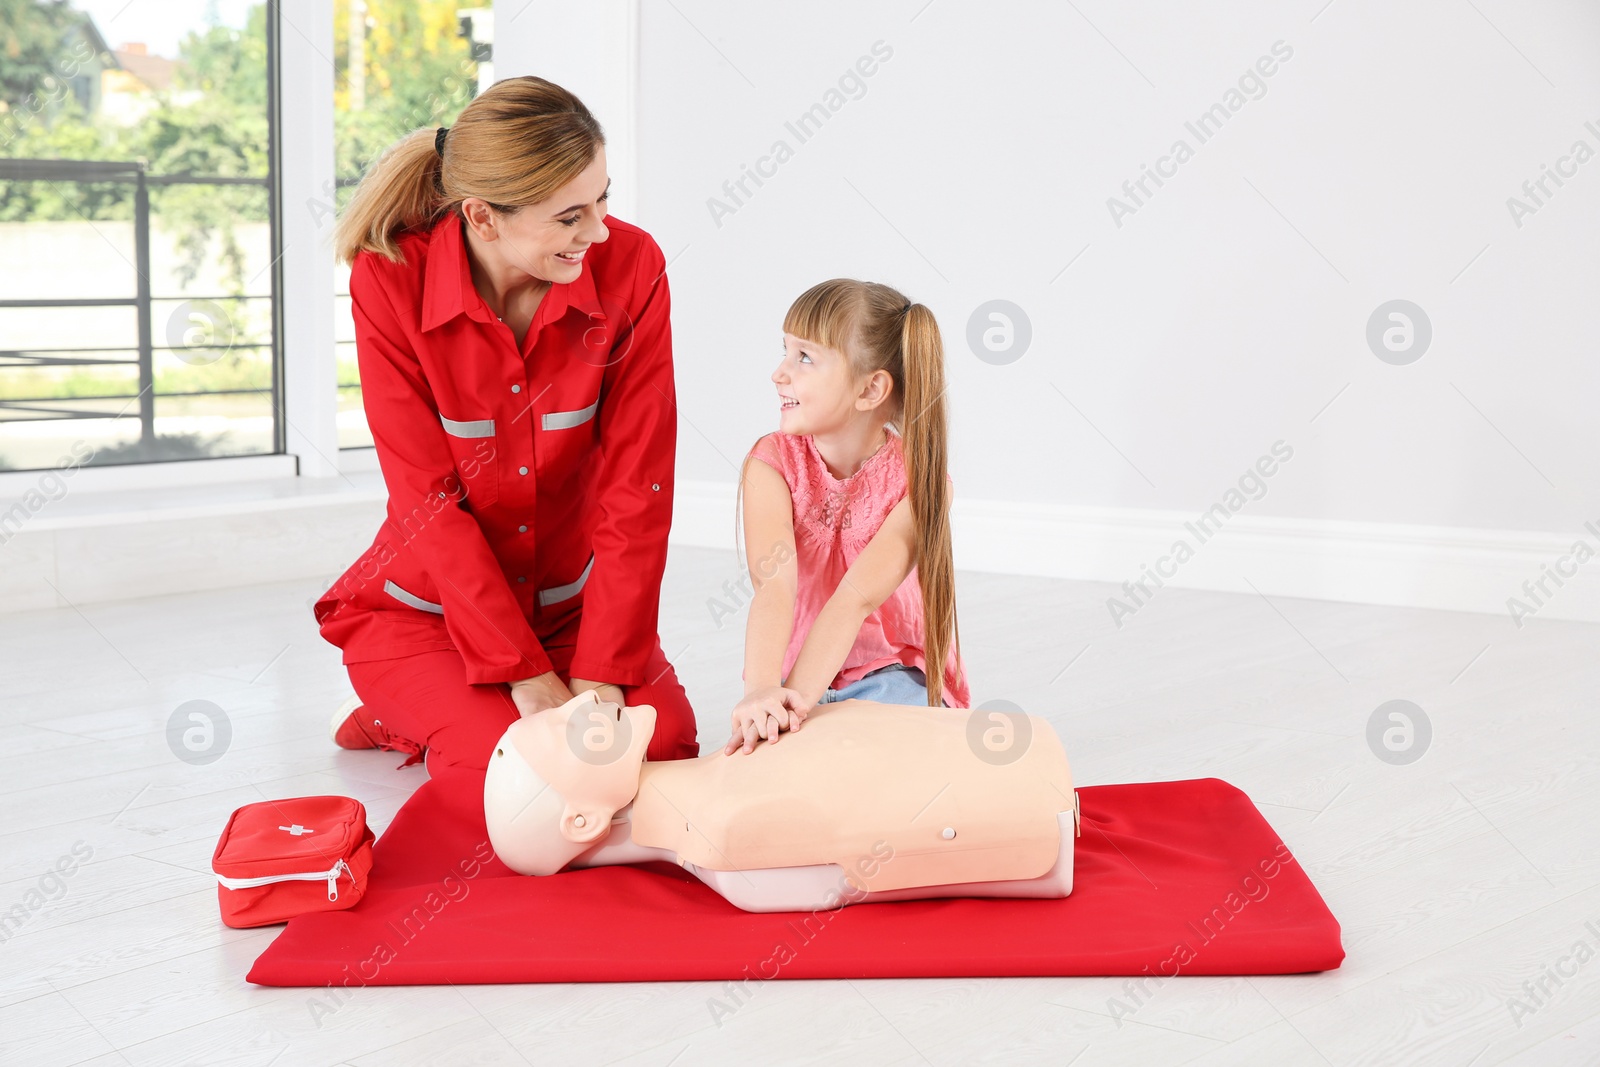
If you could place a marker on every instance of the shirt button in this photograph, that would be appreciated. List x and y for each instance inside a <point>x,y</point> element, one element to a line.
<point>520,578</point>
<point>522,529</point>
<point>516,388</point>
<point>522,470</point>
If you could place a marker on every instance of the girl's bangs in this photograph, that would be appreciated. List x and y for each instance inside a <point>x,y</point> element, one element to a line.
<point>822,315</point>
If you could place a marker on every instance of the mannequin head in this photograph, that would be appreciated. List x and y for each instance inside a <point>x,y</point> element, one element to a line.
<point>555,780</point>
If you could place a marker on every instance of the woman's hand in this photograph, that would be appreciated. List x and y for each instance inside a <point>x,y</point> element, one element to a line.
<point>763,714</point>
<point>605,692</point>
<point>539,693</point>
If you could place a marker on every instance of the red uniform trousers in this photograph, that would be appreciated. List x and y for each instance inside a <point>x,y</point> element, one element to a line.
<point>424,701</point>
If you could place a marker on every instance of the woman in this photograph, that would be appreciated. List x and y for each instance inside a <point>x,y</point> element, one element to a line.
<point>516,368</point>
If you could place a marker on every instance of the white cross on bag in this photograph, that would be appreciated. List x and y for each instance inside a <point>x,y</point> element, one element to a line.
<point>297,829</point>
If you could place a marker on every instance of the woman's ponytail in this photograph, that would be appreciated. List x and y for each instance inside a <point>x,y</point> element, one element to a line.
<point>400,192</point>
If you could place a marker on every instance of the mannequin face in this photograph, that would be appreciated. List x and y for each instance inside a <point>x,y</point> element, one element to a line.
<point>529,241</point>
<point>589,753</point>
<point>830,394</point>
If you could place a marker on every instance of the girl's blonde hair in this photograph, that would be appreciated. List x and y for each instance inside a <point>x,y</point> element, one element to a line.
<point>514,144</point>
<point>864,321</point>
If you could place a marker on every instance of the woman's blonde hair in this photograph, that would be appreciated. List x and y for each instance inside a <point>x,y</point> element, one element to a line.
<point>513,145</point>
<point>864,320</point>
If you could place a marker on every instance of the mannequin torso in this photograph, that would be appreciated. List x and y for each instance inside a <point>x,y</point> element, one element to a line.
<point>874,801</point>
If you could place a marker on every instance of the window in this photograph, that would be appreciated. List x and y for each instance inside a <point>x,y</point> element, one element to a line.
<point>137,289</point>
<point>398,65</point>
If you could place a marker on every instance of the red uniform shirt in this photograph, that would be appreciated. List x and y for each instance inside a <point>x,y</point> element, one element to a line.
<point>525,487</point>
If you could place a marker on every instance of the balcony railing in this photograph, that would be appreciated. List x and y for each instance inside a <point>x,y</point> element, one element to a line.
<point>39,408</point>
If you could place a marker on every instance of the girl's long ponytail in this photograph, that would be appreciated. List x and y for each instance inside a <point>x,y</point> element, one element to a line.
<point>925,429</point>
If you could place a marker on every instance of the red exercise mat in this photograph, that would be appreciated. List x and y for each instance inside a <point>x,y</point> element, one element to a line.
<point>1171,878</point>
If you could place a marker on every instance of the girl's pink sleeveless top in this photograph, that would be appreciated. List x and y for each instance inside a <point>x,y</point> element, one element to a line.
<point>833,521</point>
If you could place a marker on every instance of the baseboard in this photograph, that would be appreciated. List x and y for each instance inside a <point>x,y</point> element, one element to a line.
<point>286,531</point>
<point>93,547</point>
<point>1444,568</point>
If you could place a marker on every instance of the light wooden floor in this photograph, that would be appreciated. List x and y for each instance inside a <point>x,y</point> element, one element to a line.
<point>1456,878</point>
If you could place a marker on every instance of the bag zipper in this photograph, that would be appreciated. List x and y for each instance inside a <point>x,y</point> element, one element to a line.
<point>310,876</point>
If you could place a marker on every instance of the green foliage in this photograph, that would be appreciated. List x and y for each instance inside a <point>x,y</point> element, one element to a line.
<point>229,64</point>
<point>31,37</point>
<point>211,122</point>
<point>419,72</point>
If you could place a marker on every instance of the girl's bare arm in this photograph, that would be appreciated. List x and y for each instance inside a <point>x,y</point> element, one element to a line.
<point>871,579</point>
<point>770,555</point>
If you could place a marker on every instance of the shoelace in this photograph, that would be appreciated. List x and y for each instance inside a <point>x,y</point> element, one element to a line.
<point>392,743</point>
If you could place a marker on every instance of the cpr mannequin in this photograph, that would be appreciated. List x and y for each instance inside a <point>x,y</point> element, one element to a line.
<point>865,802</point>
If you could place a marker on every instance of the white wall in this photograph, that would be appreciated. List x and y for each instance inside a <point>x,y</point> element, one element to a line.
<point>591,49</point>
<point>1221,317</point>
<point>1168,353</point>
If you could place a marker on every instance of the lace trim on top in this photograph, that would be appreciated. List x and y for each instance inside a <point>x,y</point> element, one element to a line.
<point>850,509</point>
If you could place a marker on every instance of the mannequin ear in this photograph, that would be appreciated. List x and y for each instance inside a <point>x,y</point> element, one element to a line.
<point>584,826</point>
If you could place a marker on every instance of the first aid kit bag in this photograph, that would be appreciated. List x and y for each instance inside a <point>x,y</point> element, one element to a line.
<point>280,858</point>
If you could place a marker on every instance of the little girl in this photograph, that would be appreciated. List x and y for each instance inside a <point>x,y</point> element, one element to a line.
<point>847,517</point>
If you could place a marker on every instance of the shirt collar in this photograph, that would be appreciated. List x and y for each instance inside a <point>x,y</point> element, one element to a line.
<point>447,289</point>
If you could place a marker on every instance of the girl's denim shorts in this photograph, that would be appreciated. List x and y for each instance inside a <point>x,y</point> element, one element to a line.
<point>893,684</point>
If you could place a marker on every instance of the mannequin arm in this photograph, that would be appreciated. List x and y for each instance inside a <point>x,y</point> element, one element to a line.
<point>871,579</point>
